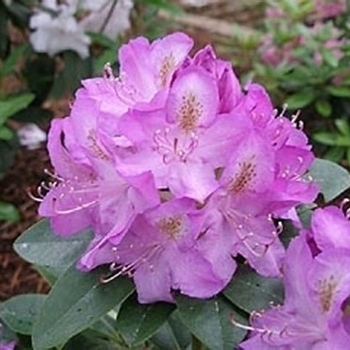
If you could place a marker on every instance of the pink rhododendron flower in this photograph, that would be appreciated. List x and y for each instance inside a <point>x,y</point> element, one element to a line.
<point>312,315</point>
<point>166,234</point>
<point>177,170</point>
<point>146,70</point>
<point>8,346</point>
<point>330,228</point>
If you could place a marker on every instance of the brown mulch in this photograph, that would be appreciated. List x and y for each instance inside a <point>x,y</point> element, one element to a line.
<point>17,276</point>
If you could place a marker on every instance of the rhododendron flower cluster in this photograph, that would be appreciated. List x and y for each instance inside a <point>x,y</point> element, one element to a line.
<point>177,170</point>
<point>315,312</point>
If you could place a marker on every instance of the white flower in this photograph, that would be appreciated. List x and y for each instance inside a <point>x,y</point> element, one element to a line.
<point>30,135</point>
<point>56,30</point>
<point>99,18</point>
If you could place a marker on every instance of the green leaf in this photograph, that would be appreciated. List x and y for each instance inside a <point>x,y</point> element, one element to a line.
<point>90,341</point>
<point>335,154</point>
<point>331,139</point>
<point>300,99</point>
<point>339,91</point>
<point>164,5</point>
<point>76,301</point>
<point>343,126</point>
<point>8,212</point>
<point>107,56</point>
<point>210,321</point>
<point>332,178</point>
<point>11,61</point>
<point>6,133</point>
<point>39,245</point>
<point>324,137</point>
<point>250,291</point>
<point>330,58</point>
<point>172,335</point>
<point>69,79</point>
<point>348,156</point>
<point>40,73</point>
<point>50,274</point>
<point>7,334</point>
<point>323,107</point>
<point>103,40</point>
<point>13,104</point>
<point>137,322</point>
<point>20,312</point>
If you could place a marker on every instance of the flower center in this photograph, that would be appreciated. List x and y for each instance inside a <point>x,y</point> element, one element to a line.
<point>166,67</point>
<point>171,226</point>
<point>241,182</point>
<point>326,290</point>
<point>189,112</point>
<point>95,148</point>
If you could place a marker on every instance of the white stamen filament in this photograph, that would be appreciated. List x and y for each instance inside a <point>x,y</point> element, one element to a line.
<point>53,175</point>
<point>172,148</point>
<point>75,209</point>
<point>129,269</point>
<point>245,239</point>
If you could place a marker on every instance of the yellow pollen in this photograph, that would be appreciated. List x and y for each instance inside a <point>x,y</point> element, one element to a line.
<point>166,67</point>
<point>243,179</point>
<point>189,113</point>
<point>170,226</point>
<point>95,147</point>
<point>326,291</point>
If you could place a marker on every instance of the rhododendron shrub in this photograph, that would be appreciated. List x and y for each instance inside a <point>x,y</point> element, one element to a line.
<point>165,208</point>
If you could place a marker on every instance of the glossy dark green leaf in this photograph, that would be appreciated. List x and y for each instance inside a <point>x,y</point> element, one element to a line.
<point>172,335</point>
<point>210,321</point>
<point>39,245</point>
<point>332,178</point>
<point>250,291</point>
<point>76,301</point>
<point>138,322</point>
<point>7,334</point>
<point>50,273</point>
<point>20,312</point>
<point>87,341</point>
